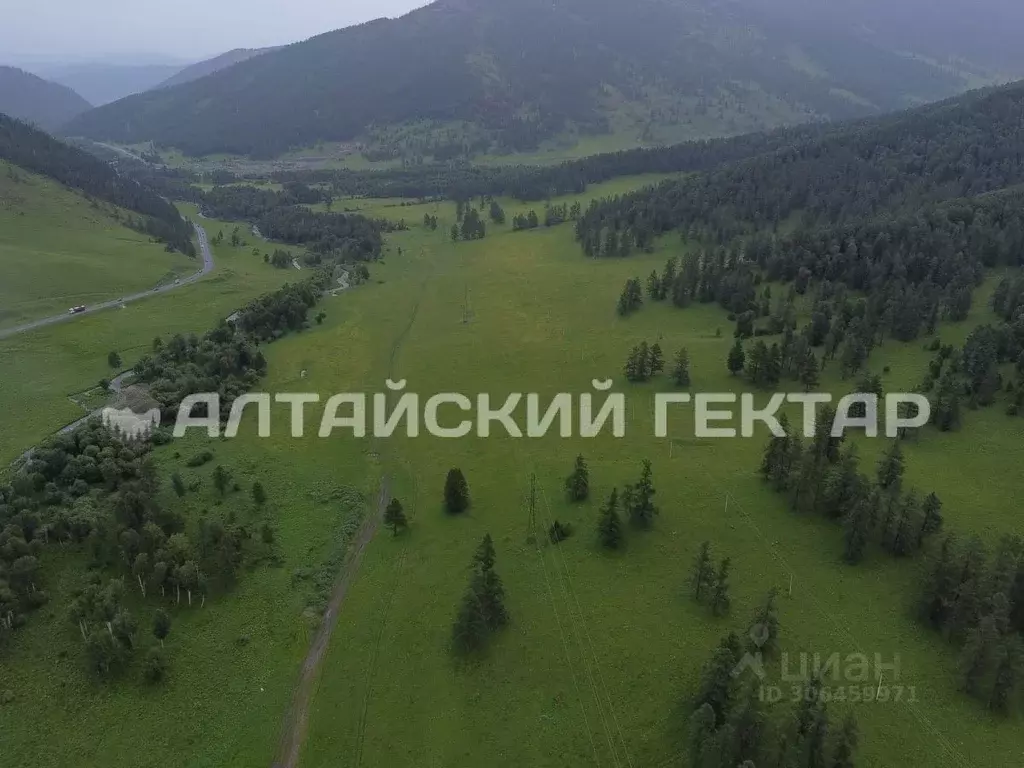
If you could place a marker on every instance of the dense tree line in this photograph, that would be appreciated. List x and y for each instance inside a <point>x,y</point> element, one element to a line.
<point>226,360</point>
<point>850,172</point>
<point>248,202</point>
<point>350,237</point>
<point>38,152</point>
<point>976,600</point>
<point>730,724</point>
<point>822,478</point>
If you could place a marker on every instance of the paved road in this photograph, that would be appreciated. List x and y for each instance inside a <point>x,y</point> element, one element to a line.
<point>204,247</point>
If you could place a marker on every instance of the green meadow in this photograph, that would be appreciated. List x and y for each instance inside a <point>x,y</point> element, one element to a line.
<point>57,250</point>
<point>603,651</point>
<point>43,367</point>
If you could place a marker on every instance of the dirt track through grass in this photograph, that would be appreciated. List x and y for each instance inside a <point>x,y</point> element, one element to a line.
<point>297,718</point>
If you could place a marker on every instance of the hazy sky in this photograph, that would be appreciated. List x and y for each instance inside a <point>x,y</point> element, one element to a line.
<point>183,29</point>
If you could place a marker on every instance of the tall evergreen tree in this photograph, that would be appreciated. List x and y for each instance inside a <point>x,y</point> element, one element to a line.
<point>845,745</point>
<point>737,358</point>
<point>681,370</point>
<point>720,600</point>
<point>643,510</point>
<point>717,686</point>
<point>764,630</point>
<point>657,359</point>
<point>890,467</point>
<point>609,525</point>
<point>577,485</point>
<point>703,578</point>
<point>456,492</point>
<point>394,516</point>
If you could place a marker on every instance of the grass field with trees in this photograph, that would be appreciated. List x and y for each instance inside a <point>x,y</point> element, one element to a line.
<point>602,652</point>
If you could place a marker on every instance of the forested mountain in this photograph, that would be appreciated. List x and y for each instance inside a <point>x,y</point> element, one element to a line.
<point>208,67</point>
<point>959,148</point>
<point>476,75</point>
<point>38,152</point>
<point>30,98</point>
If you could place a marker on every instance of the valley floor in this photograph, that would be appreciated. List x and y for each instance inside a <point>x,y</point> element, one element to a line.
<point>603,652</point>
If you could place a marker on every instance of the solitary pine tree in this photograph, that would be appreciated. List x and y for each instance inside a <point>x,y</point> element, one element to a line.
<point>642,511</point>
<point>578,483</point>
<point>394,516</point>
<point>720,601</point>
<point>737,358</point>
<point>456,492</point>
<point>609,525</point>
<point>114,360</point>
<point>703,578</point>
<point>258,494</point>
<point>681,371</point>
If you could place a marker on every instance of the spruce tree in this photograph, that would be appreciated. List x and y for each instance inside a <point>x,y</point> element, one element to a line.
<point>720,600</point>
<point>890,467</point>
<point>681,371</point>
<point>703,577</point>
<point>983,643</point>
<point>609,525</point>
<point>1008,675</point>
<point>808,373</point>
<point>578,483</point>
<point>856,531</point>
<point>643,510</point>
<point>657,359</point>
<point>394,516</point>
<point>931,521</point>
<point>653,286</point>
<point>764,630</point>
<point>845,746</point>
<point>702,735</point>
<point>456,492</point>
<point>737,358</point>
<point>717,686</point>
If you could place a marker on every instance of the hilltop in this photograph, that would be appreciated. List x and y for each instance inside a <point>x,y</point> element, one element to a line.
<point>35,100</point>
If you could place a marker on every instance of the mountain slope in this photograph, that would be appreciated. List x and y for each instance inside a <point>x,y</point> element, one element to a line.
<point>37,152</point>
<point>30,98</point>
<point>208,67</point>
<point>521,73</point>
<point>59,250</point>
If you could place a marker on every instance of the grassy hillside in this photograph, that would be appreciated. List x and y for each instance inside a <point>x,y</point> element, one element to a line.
<point>482,76</point>
<point>58,250</point>
<point>47,365</point>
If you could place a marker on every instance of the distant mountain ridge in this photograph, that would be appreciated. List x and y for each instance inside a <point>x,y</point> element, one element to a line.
<point>208,67</point>
<point>507,76</point>
<point>38,101</point>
